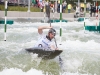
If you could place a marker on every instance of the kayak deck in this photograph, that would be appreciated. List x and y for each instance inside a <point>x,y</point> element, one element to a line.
<point>45,54</point>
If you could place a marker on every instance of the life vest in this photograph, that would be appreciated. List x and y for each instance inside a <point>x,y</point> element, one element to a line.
<point>43,42</point>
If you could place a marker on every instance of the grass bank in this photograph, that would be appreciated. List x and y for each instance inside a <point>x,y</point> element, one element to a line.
<point>19,8</point>
<point>22,8</point>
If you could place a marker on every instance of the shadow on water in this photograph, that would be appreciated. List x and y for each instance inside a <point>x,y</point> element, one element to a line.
<point>49,67</point>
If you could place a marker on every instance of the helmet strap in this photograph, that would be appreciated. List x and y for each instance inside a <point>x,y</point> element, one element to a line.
<point>48,37</point>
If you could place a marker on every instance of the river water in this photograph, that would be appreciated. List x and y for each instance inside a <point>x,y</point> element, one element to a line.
<point>81,50</point>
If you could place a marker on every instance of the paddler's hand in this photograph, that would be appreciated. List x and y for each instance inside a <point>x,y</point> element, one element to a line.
<point>40,28</point>
<point>52,47</point>
<point>50,27</point>
<point>56,49</point>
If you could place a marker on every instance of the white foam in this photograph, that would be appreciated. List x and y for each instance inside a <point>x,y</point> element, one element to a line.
<point>15,71</point>
<point>79,45</point>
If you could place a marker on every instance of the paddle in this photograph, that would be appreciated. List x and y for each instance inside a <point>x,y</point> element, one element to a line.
<point>60,60</point>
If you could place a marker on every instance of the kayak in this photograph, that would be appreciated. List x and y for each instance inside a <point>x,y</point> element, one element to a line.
<point>45,53</point>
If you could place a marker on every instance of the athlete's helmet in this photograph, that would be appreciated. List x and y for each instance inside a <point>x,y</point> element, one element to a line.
<point>53,31</point>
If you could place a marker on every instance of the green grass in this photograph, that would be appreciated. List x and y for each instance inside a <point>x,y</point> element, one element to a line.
<point>20,8</point>
<point>1,7</point>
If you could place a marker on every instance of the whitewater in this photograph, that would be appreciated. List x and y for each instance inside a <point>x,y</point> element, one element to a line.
<point>81,49</point>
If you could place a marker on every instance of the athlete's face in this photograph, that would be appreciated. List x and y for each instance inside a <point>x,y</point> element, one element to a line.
<point>51,35</point>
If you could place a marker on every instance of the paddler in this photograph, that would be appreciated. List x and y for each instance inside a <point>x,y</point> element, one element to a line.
<point>46,41</point>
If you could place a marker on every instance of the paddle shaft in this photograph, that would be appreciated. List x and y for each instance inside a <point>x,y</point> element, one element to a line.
<point>60,59</point>
<point>50,21</point>
<point>50,26</point>
<point>55,42</point>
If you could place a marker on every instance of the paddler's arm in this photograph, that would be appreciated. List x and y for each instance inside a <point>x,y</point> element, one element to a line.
<point>40,28</point>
